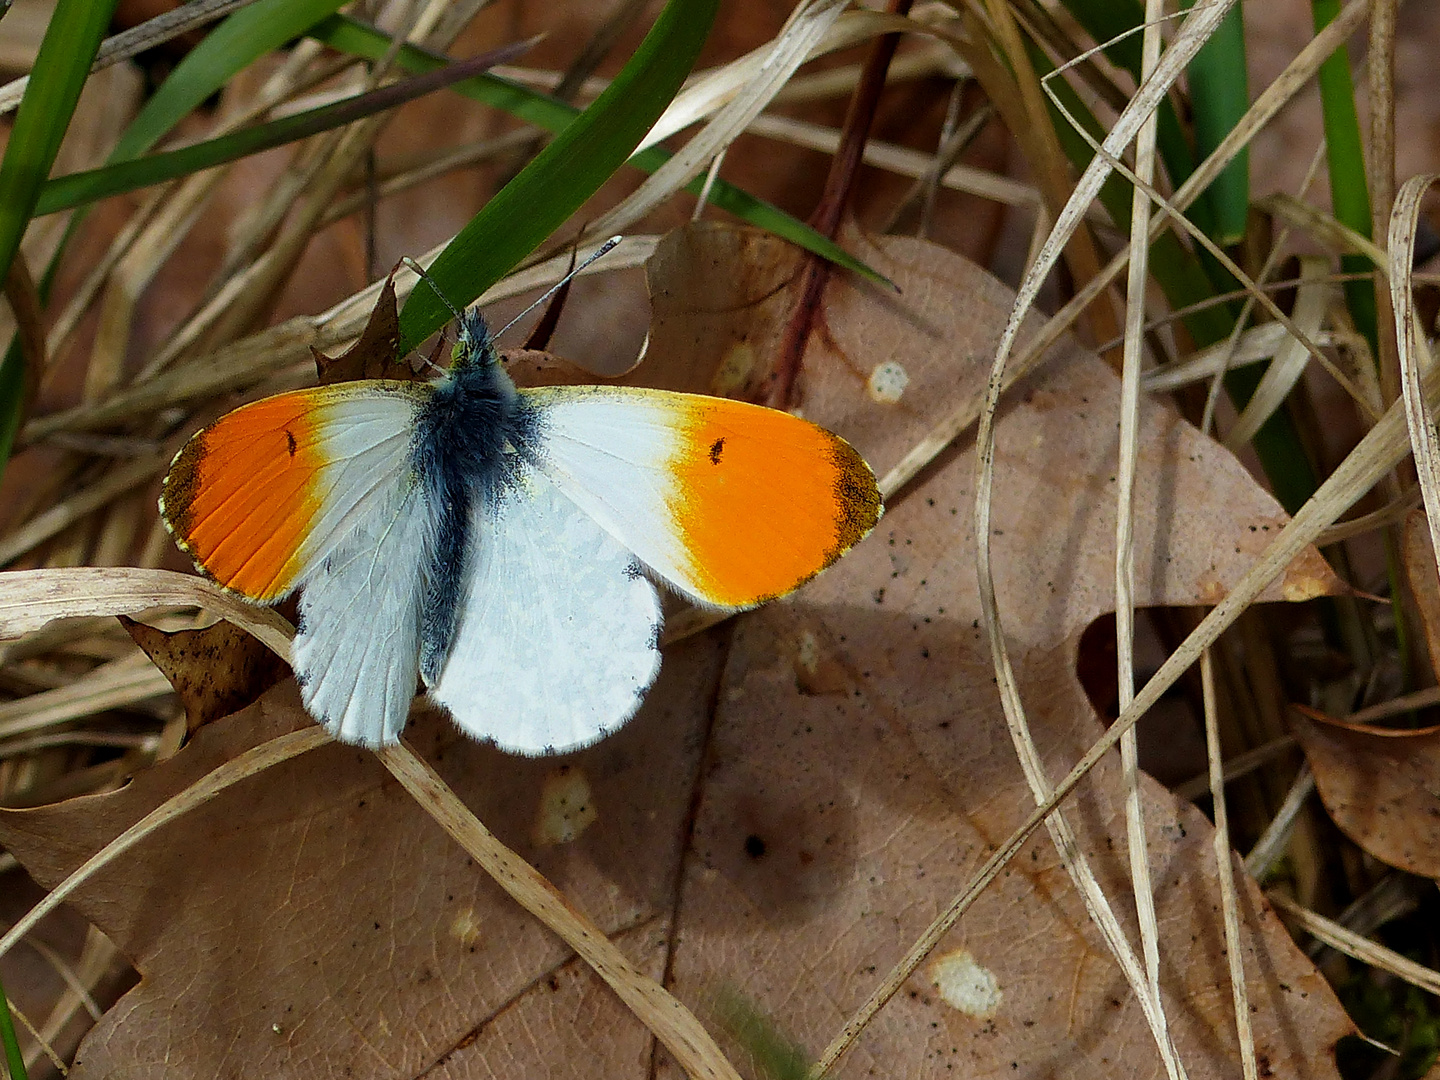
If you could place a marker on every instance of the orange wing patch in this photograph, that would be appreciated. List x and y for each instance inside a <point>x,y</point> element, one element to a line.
<point>241,495</point>
<point>765,500</point>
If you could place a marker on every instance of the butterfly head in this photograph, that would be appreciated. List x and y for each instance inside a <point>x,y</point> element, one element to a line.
<point>474,344</point>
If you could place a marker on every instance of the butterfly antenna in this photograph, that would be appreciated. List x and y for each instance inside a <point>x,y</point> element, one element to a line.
<point>435,288</point>
<point>603,249</point>
<point>434,285</point>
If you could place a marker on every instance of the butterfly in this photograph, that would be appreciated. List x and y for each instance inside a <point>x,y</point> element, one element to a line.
<point>497,544</point>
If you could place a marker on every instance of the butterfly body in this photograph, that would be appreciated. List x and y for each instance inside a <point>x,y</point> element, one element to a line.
<point>492,542</point>
<point>467,435</point>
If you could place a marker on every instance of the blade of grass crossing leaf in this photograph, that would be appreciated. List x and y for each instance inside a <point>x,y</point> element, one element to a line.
<point>559,179</point>
<point>14,1060</point>
<point>244,36</point>
<point>74,189</point>
<point>349,35</point>
<point>68,49</point>
<point>1220,96</point>
<point>778,1056</point>
<point>1349,193</point>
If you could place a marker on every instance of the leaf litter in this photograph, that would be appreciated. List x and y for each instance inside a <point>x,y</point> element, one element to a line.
<point>810,861</point>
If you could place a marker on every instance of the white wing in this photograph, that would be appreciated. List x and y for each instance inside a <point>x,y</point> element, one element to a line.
<point>357,654</point>
<point>558,635</point>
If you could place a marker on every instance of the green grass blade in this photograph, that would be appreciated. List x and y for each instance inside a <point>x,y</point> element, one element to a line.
<point>1349,190</point>
<point>247,34</point>
<point>1220,96</point>
<point>75,189</point>
<point>14,1060</point>
<point>360,39</point>
<point>559,179</point>
<point>61,66</point>
<point>778,1056</point>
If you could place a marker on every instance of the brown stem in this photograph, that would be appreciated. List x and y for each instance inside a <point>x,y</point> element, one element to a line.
<point>778,388</point>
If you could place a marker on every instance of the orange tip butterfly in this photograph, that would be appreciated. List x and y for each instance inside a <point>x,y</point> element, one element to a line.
<point>495,541</point>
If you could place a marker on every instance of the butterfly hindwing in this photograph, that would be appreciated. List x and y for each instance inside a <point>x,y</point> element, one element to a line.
<point>728,502</point>
<point>357,653</point>
<point>558,631</point>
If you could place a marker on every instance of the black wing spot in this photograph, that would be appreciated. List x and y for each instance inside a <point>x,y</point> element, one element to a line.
<point>633,571</point>
<point>755,846</point>
<point>715,450</point>
<point>290,443</point>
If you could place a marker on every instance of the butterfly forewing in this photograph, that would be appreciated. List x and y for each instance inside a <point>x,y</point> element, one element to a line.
<point>730,503</point>
<point>264,494</point>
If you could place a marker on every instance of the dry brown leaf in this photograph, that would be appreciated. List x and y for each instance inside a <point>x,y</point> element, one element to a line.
<point>215,671</point>
<point>834,824</point>
<point>1380,785</point>
<point>782,832</point>
<point>376,353</point>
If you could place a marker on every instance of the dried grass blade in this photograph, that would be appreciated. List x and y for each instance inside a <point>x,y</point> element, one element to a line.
<point>31,598</point>
<point>1236,767</point>
<point>1380,157</point>
<point>51,522</point>
<point>1320,226</point>
<point>791,48</point>
<point>96,960</point>
<point>1291,357</point>
<point>1254,345</point>
<point>122,46</point>
<point>1413,350</point>
<point>1136,287</point>
<point>1224,862</point>
<point>1353,945</point>
<point>110,686</point>
<point>718,87</point>
<point>901,160</point>
<point>670,1021</point>
<point>1277,834</point>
